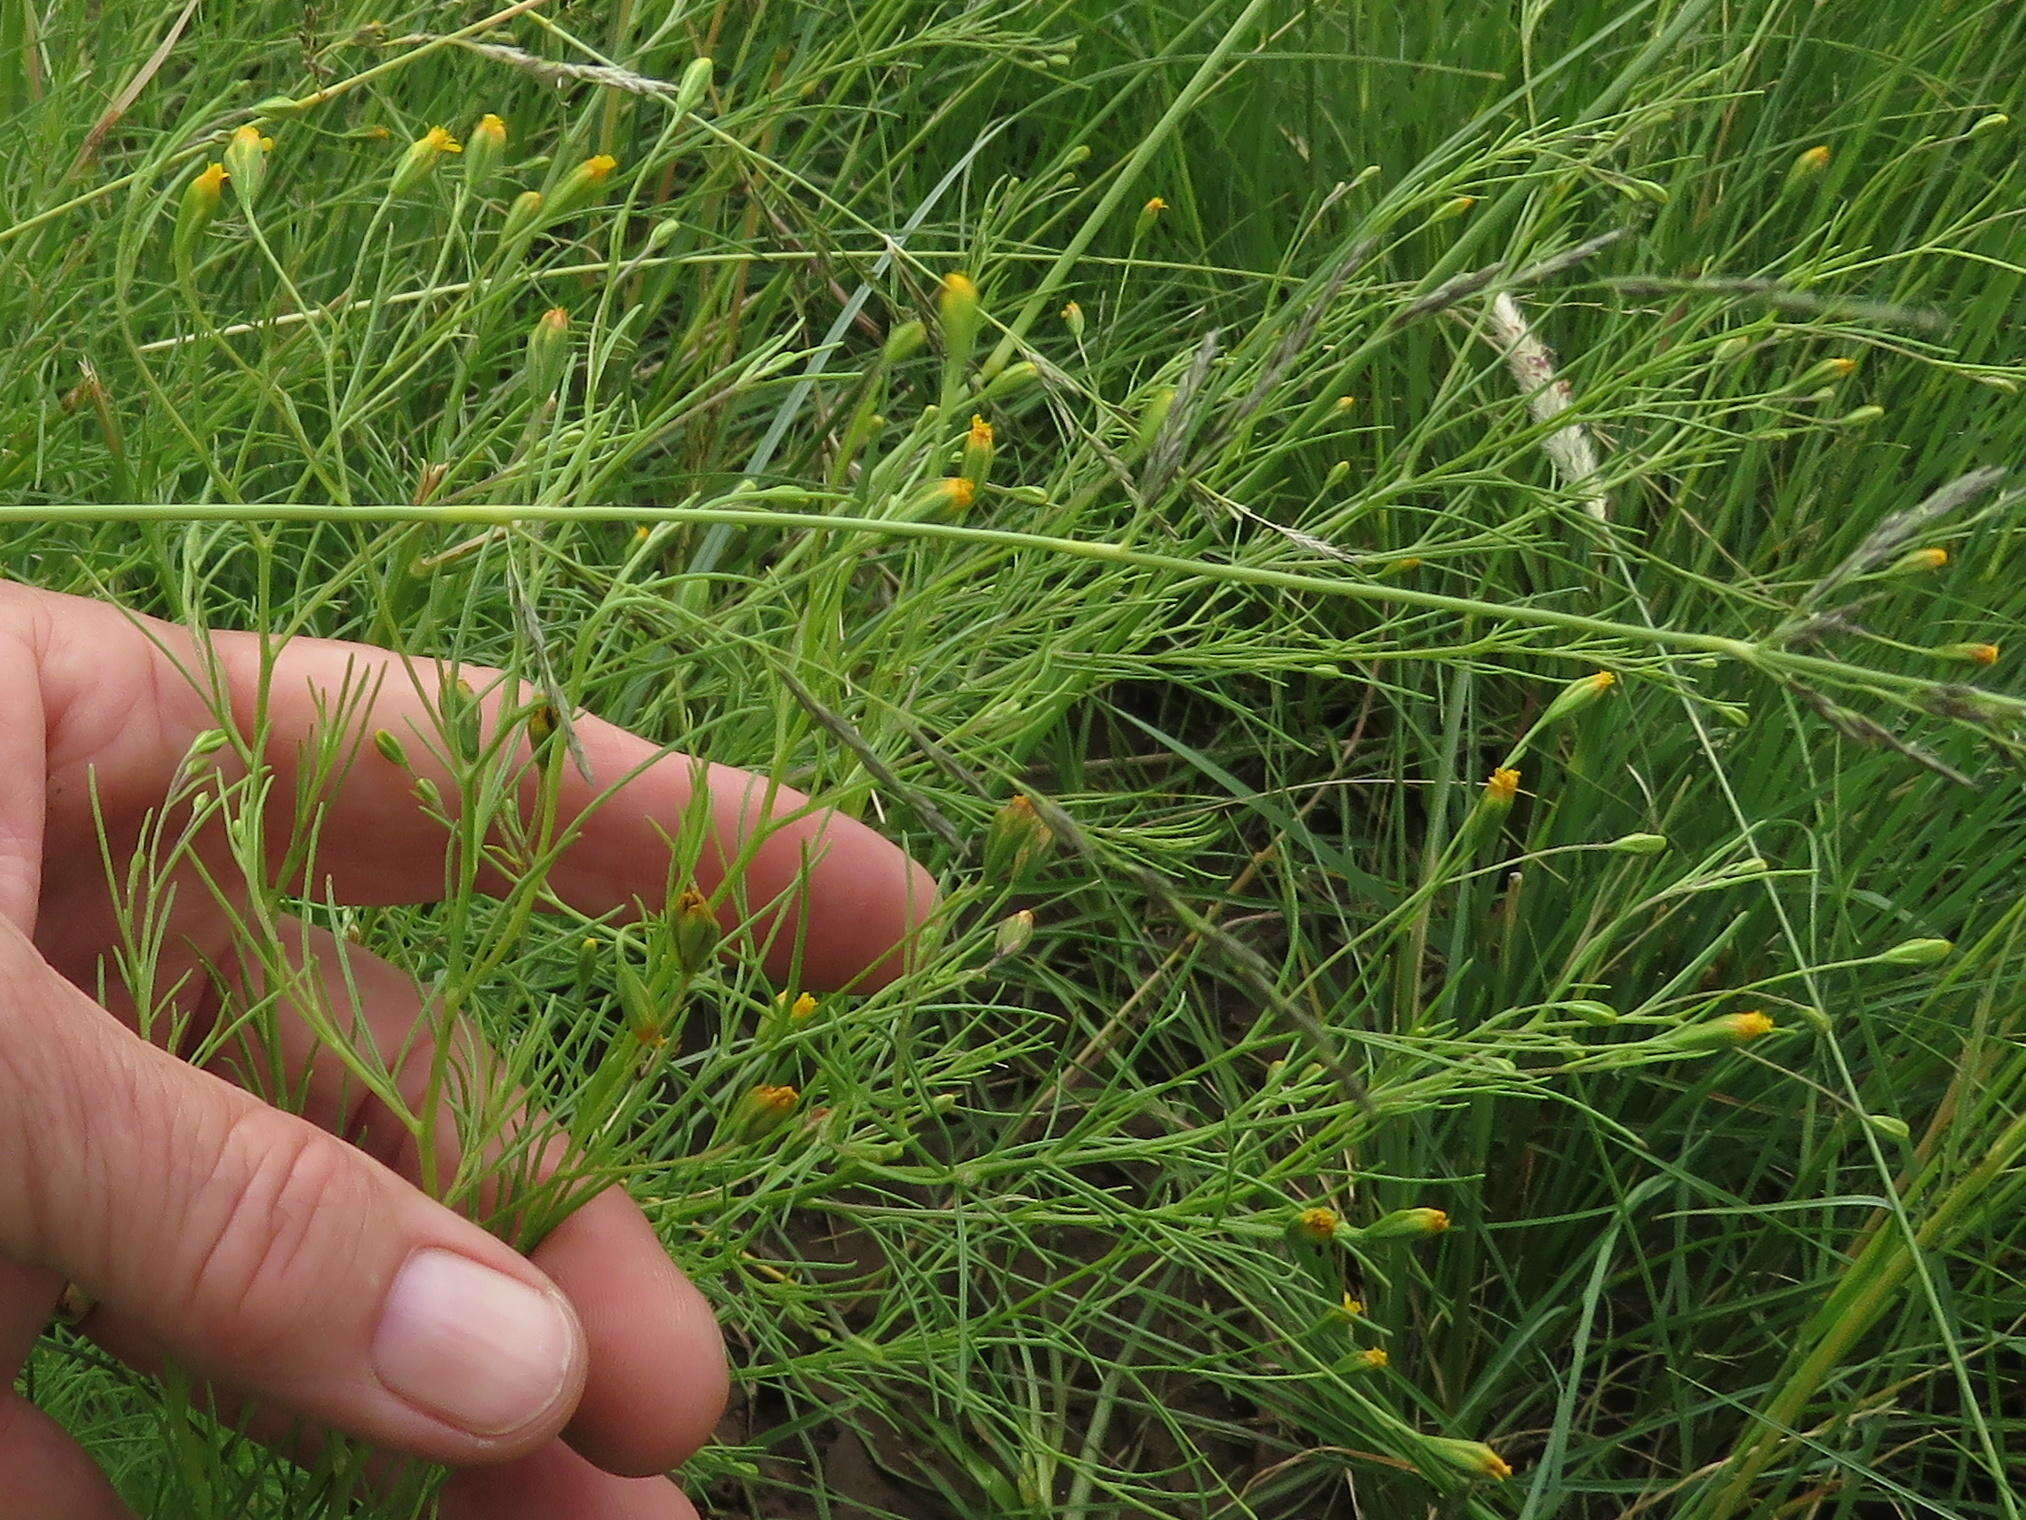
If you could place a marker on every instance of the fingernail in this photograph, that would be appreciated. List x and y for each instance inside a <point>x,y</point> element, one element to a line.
<point>472,1346</point>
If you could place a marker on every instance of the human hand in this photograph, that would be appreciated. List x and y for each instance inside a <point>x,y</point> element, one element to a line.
<point>259,1251</point>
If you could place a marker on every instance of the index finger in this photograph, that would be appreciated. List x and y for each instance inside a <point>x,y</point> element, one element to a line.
<point>835,897</point>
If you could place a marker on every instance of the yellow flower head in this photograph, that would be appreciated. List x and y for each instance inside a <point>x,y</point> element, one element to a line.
<point>210,179</point>
<point>1318,1223</point>
<point>981,433</point>
<point>1503,785</point>
<point>439,140</point>
<point>1155,206</point>
<point>1603,680</point>
<point>598,168</point>
<point>803,1007</point>
<point>1813,161</point>
<point>1375,1357</point>
<point>959,492</point>
<point>1746,1027</point>
<point>775,1102</point>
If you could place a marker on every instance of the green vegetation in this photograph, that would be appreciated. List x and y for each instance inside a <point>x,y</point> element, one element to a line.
<point>1280,543</point>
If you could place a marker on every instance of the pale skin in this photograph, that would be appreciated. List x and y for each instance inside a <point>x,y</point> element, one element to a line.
<point>263,1252</point>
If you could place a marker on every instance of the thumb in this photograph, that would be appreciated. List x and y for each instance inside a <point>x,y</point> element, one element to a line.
<point>260,1251</point>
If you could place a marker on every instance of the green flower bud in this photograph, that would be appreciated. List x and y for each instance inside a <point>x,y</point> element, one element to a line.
<point>1014,933</point>
<point>1405,1224</point>
<point>695,83</point>
<point>484,151</point>
<point>577,188</point>
<point>390,748</point>
<point>246,163</point>
<point>1890,1127</point>
<point>1016,840</point>
<point>1917,952</point>
<point>1639,844</point>
<point>694,929</point>
<point>523,216</point>
<point>548,352</point>
<point>199,208</point>
<point>1473,1459</point>
<point>1578,695</point>
<point>420,158</point>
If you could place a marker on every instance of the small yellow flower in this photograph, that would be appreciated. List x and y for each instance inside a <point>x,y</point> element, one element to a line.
<point>1976,654</point>
<point>981,433</point>
<point>1923,559</point>
<point>598,168</point>
<point>802,1008</point>
<point>1502,786</point>
<point>1352,1307</point>
<point>1812,161</point>
<point>1319,1224</point>
<point>1374,1357</point>
<point>775,1102</point>
<point>439,140</point>
<point>1746,1027</point>
<point>1155,206</point>
<point>959,492</point>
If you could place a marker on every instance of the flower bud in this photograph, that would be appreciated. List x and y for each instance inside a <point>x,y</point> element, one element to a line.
<point>1974,654</point>
<point>541,724</point>
<point>1013,935</point>
<point>1011,380</point>
<point>523,216</point>
<point>1917,952</point>
<point>1889,1127</point>
<point>1072,318</point>
<point>1154,416</point>
<point>694,930</point>
<point>903,343</point>
<point>1405,1224</point>
<point>1316,1226</point>
<point>959,313</point>
<point>1500,788</point>
<point>1917,560</point>
<point>1723,1033</point>
<point>1578,695</point>
<point>949,497</point>
<point>765,1109</point>
<point>577,188</point>
<point>390,748</point>
<point>693,86</point>
<point>200,206</point>
<point>1016,839</point>
<point>548,352</point>
<point>1590,1011</point>
<point>484,151</point>
<point>1996,121</point>
<point>1455,206</point>
<point>1473,1459</point>
<point>420,158</point>
<point>1149,214</point>
<point>1828,371</point>
<point>1638,844</point>
<point>1860,416</point>
<point>977,458</point>
<point>1810,163</point>
<point>246,163</point>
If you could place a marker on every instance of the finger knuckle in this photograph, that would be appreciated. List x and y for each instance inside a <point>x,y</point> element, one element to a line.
<point>286,1206</point>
